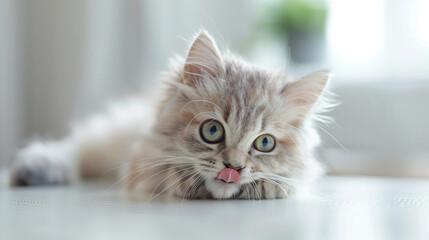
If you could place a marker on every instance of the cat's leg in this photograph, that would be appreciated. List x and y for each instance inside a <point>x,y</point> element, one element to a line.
<point>95,148</point>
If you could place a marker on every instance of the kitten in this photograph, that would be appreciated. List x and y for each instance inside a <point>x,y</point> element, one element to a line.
<point>224,130</point>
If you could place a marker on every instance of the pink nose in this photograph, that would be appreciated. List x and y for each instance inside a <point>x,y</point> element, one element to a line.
<point>229,175</point>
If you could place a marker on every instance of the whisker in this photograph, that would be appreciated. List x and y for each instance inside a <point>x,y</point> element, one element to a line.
<point>194,101</point>
<point>285,132</point>
<point>143,169</point>
<point>276,184</point>
<point>159,184</point>
<point>341,145</point>
<point>196,173</point>
<point>129,162</point>
<point>157,173</point>
<point>269,175</point>
<point>208,113</point>
<point>197,184</point>
<point>165,189</point>
<point>255,187</point>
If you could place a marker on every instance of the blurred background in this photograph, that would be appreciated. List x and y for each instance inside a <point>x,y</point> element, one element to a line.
<point>63,60</point>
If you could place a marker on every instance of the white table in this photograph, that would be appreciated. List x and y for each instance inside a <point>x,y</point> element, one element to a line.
<point>347,208</point>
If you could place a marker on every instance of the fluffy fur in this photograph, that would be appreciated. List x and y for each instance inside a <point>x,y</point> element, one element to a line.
<point>161,152</point>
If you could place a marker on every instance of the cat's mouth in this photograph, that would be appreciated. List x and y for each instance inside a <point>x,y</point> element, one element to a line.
<point>229,175</point>
<point>225,184</point>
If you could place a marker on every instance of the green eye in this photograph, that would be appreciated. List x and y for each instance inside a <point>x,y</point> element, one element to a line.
<point>211,131</point>
<point>264,143</point>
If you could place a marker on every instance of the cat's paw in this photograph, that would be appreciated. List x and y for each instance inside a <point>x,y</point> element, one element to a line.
<point>40,164</point>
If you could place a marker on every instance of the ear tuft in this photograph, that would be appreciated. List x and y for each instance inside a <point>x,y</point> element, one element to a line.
<point>203,60</point>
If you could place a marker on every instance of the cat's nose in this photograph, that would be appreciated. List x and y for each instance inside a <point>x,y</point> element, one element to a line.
<point>237,168</point>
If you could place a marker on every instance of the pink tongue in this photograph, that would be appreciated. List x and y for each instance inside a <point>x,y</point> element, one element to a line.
<point>229,175</point>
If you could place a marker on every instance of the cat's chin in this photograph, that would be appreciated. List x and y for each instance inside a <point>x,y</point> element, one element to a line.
<point>222,190</point>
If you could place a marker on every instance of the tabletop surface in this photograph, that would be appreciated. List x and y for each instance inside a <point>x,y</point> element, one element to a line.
<point>339,208</point>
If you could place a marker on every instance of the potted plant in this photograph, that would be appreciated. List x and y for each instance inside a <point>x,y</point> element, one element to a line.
<point>302,23</point>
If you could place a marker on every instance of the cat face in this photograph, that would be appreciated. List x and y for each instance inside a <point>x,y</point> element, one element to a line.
<point>242,131</point>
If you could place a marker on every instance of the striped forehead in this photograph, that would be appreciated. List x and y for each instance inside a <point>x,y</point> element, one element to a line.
<point>244,119</point>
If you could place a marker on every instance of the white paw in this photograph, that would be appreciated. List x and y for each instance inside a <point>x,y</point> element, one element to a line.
<point>41,164</point>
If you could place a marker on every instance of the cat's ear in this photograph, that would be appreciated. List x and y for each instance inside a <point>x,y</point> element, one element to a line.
<point>203,60</point>
<point>303,94</point>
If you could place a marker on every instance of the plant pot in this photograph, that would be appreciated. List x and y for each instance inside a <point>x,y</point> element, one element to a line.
<point>306,47</point>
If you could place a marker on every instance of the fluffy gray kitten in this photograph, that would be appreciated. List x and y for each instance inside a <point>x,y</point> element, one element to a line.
<point>224,129</point>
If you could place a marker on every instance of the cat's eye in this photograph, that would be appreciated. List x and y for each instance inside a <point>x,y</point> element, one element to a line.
<point>211,131</point>
<point>264,143</point>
